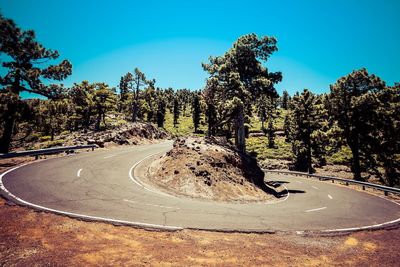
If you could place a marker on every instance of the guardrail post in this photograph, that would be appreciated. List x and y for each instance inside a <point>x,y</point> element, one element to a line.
<point>93,148</point>
<point>363,187</point>
<point>333,181</point>
<point>36,157</point>
<point>386,193</point>
<point>347,183</point>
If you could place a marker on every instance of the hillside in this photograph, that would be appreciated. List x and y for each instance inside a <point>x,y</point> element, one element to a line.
<point>127,133</point>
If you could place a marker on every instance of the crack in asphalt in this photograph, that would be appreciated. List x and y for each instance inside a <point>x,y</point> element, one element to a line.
<point>165,213</point>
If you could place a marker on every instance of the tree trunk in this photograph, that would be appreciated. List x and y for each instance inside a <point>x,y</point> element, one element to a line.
<point>391,175</point>
<point>356,167</point>
<point>9,122</point>
<point>309,162</point>
<point>10,116</point>
<point>98,121</point>
<point>240,140</point>
<point>211,120</point>
<point>135,110</point>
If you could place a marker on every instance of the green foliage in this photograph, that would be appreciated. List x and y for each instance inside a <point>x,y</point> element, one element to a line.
<point>342,156</point>
<point>104,100</point>
<point>351,105</point>
<point>22,69</point>
<point>59,142</point>
<point>285,100</point>
<point>176,111</point>
<point>45,138</point>
<point>161,109</point>
<point>386,133</point>
<point>258,147</point>
<point>306,130</point>
<point>196,112</point>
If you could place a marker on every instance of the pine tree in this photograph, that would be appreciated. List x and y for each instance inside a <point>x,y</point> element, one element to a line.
<point>387,133</point>
<point>161,109</point>
<point>241,78</point>
<point>150,101</point>
<point>123,94</point>
<point>104,99</point>
<point>305,112</point>
<point>285,99</point>
<point>196,112</point>
<point>287,127</point>
<point>211,111</point>
<point>84,107</point>
<point>23,70</point>
<point>353,113</point>
<point>176,111</point>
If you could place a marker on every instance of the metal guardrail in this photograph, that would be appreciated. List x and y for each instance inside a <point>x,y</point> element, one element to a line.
<point>46,151</point>
<point>383,188</point>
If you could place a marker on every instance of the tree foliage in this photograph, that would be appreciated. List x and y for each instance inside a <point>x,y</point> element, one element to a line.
<point>351,108</point>
<point>196,112</point>
<point>25,66</point>
<point>306,123</point>
<point>239,77</point>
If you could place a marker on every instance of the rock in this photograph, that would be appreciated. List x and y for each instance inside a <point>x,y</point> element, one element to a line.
<point>91,141</point>
<point>100,142</point>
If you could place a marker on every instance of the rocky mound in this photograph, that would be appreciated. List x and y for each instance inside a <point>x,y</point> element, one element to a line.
<point>209,168</point>
<point>124,134</point>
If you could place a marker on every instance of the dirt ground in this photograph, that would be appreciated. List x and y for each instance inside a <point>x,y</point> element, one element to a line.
<point>30,238</point>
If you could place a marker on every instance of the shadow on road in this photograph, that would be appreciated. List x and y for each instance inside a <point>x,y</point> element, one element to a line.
<point>271,185</point>
<point>294,191</point>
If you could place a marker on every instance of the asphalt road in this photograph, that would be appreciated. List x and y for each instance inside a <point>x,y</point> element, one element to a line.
<point>99,185</point>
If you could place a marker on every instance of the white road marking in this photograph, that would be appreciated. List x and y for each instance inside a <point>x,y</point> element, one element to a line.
<point>315,187</point>
<point>330,196</point>
<point>107,157</point>
<point>138,183</point>
<point>79,173</point>
<point>78,215</point>
<point>153,205</point>
<point>299,182</point>
<point>316,209</point>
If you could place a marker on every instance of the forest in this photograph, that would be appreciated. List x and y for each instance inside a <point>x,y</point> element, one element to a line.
<point>360,116</point>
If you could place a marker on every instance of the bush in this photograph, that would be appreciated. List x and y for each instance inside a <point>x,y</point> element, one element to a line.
<point>45,138</point>
<point>54,143</point>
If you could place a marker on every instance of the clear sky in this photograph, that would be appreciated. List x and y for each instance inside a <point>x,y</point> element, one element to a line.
<point>318,41</point>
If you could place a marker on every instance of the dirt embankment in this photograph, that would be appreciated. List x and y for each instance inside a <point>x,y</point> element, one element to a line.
<point>209,168</point>
<point>126,134</point>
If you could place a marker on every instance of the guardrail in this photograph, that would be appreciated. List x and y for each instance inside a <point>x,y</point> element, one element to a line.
<point>385,189</point>
<point>46,151</point>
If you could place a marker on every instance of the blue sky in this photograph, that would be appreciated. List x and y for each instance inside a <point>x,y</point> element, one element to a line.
<point>318,41</point>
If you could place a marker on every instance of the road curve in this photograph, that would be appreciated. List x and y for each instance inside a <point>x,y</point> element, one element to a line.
<point>99,185</point>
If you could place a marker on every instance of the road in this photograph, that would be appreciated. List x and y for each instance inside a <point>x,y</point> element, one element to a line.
<point>100,185</point>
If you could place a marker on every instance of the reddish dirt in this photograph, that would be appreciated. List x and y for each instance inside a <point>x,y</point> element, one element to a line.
<point>29,238</point>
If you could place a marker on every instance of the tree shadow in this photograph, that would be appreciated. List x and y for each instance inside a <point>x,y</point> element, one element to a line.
<point>276,184</point>
<point>294,191</point>
<point>271,185</point>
